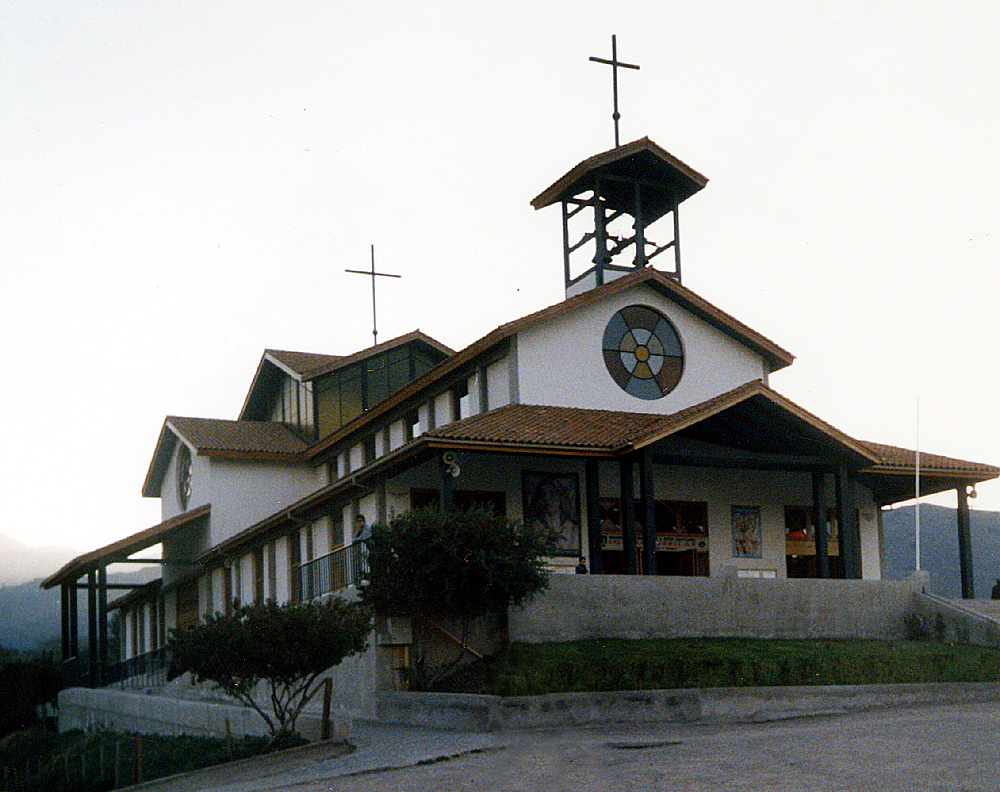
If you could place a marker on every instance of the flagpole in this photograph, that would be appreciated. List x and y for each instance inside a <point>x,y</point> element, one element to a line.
<point>917,490</point>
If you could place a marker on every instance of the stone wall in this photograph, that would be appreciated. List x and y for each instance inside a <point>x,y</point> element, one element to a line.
<point>119,710</point>
<point>578,607</point>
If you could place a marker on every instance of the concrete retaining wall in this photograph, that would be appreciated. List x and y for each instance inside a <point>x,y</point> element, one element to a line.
<point>576,607</point>
<point>717,705</point>
<point>119,710</point>
<point>952,621</point>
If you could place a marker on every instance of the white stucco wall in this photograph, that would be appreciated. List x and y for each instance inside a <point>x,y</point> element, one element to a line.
<point>241,492</point>
<point>245,492</point>
<point>560,362</point>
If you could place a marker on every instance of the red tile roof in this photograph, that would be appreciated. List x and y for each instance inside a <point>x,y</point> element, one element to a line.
<point>123,548</point>
<point>904,460</point>
<point>257,439</point>
<point>568,427</point>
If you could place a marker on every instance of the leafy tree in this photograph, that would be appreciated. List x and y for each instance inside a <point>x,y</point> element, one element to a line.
<point>428,563</point>
<point>24,686</point>
<point>285,646</point>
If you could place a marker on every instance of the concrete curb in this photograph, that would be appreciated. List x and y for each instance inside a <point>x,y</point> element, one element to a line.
<point>475,713</point>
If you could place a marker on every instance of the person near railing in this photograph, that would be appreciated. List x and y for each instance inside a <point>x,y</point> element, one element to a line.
<point>362,533</point>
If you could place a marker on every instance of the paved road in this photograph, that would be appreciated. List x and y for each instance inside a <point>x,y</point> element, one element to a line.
<point>954,747</point>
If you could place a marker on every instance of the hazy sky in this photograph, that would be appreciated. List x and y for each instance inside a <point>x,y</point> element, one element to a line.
<point>183,184</point>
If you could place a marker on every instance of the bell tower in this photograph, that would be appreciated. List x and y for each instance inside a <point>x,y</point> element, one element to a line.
<point>638,181</point>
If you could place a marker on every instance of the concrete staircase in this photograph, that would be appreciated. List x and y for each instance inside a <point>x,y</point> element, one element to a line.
<point>987,608</point>
<point>957,620</point>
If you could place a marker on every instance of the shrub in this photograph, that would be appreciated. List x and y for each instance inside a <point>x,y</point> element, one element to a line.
<point>286,647</point>
<point>459,564</point>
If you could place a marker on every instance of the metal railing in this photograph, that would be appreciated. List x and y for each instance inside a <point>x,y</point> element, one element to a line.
<point>146,670</point>
<point>335,571</point>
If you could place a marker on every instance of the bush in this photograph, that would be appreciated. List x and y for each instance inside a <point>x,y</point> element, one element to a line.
<point>286,647</point>
<point>457,564</point>
<point>24,686</point>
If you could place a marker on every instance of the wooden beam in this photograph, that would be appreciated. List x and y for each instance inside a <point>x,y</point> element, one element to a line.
<point>819,524</point>
<point>627,491</point>
<point>747,461</point>
<point>965,544</point>
<point>593,485</point>
<point>647,504</point>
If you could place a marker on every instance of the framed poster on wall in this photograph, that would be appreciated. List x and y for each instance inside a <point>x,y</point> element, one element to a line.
<point>552,506</point>
<point>746,532</point>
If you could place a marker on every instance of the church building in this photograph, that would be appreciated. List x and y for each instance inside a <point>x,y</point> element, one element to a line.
<point>634,422</point>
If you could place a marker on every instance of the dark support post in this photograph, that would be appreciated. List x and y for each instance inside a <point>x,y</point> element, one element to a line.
<point>677,239</point>
<point>447,500</point>
<point>640,230</point>
<point>847,524</point>
<point>601,256</point>
<point>627,491</point>
<point>593,483</point>
<point>819,524</point>
<point>965,545</point>
<point>64,590</point>
<point>647,504</point>
<point>102,622</point>
<point>74,630</point>
<point>92,624</point>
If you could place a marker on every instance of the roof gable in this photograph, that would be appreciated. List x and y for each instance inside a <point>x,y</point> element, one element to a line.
<point>212,437</point>
<point>307,366</point>
<point>639,159</point>
<point>776,356</point>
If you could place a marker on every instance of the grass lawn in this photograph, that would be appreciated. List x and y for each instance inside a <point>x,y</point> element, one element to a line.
<point>613,664</point>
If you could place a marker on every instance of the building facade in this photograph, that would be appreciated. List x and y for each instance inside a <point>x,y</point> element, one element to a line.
<point>633,422</point>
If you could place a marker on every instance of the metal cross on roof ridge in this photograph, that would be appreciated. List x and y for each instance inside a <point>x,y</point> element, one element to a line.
<point>614,63</point>
<point>373,273</point>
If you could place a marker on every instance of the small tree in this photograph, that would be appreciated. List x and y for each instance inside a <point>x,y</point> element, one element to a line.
<point>460,564</point>
<point>285,646</point>
<point>25,685</point>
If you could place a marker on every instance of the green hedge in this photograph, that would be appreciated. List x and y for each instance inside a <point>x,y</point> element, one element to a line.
<point>534,669</point>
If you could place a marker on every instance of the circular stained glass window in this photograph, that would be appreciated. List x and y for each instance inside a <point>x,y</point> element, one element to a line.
<point>643,352</point>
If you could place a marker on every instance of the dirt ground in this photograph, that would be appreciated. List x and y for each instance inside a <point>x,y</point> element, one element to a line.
<point>953,748</point>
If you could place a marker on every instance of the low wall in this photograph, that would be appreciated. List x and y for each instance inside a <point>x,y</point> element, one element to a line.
<point>715,705</point>
<point>952,621</point>
<point>143,713</point>
<point>577,607</point>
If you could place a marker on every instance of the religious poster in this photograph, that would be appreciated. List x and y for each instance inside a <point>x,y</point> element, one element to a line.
<point>746,532</point>
<point>552,506</point>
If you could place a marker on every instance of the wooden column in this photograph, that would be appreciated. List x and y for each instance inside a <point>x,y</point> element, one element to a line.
<point>847,524</point>
<point>74,627</point>
<point>64,605</point>
<point>819,524</point>
<point>647,506</point>
<point>102,624</point>
<point>92,626</point>
<point>627,490</point>
<point>965,545</point>
<point>593,484</point>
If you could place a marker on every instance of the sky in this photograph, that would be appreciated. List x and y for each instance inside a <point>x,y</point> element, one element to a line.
<point>182,186</point>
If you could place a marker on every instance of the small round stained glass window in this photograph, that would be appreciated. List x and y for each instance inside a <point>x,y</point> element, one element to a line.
<point>643,352</point>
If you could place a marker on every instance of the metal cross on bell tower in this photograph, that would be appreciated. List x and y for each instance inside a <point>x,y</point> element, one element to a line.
<point>614,63</point>
<point>373,275</point>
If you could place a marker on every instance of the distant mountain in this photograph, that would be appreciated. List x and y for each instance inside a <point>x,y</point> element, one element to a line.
<point>20,563</point>
<point>30,617</point>
<point>939,547</point>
